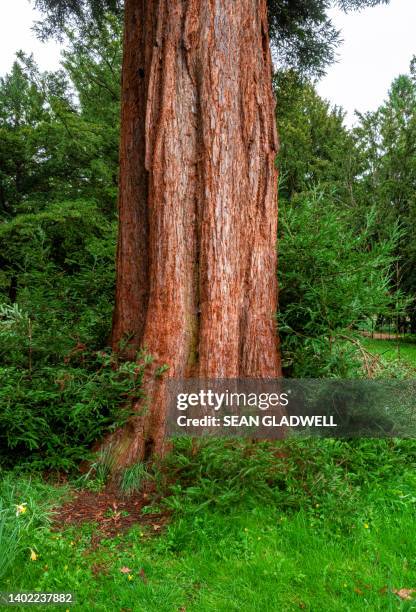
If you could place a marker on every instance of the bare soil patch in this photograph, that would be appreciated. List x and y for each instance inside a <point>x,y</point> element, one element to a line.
<point>111,510</point>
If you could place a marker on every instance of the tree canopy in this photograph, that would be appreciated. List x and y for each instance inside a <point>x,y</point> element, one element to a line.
<point>302,34</point>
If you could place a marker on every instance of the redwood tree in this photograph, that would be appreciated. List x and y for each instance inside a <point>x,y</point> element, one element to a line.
<point>196,261</point>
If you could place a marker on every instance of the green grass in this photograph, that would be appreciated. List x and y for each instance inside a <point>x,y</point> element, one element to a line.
<point>392,350</point>
<point>335,531</point>
<point>21,530</point>
<point>261,560</point>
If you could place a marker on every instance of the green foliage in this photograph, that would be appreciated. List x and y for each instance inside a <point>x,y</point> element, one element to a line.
<point>386,144</point>
<point>335,269</point>
<point>92,60</point>
<point>60,265</point>
<point>316,147</point>
<point>50,417</point>
<point>93,63</point>
<point>293,475</point>
<point>27,135</point>
<point>51,149</point>
<point>60,387</point>
<point>59,13</point>
<point>303,35</point>
<point>57,396</point>
<point>331,280</point>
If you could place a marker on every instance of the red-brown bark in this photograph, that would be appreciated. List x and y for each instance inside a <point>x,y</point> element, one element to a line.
<point>196,262</point>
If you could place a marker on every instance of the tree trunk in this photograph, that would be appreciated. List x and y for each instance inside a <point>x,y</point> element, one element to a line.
<point>196,262</point>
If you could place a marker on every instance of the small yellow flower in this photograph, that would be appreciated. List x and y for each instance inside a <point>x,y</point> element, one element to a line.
<point>130,577</point>
<point>33,555</point>
<point>366,526</point>
<point>21,509</point>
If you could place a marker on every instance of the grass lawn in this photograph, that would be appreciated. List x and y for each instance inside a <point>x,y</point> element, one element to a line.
<point>257,560</point>
<point>390,351</point>
<point>339,534</point>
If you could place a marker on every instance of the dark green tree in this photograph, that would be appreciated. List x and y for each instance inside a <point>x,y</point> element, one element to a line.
<point>59,131</point>
<point>386,140</point>
<point>333,279</point>
<point>315,146</point>
<point>24,113</point>
<point>334,273</point>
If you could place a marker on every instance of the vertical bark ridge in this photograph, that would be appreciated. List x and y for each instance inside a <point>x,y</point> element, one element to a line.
<point>132,249</point>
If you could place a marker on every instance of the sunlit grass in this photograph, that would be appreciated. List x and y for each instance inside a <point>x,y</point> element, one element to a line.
<point>403,349</point>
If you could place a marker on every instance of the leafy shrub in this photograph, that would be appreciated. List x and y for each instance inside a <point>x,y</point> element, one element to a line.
<point>60,264</point>
<point>50,416</point>
<point>56,395</point>
<point>332,279</point>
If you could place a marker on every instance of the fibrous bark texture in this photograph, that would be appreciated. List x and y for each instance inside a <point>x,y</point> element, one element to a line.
<point>196,262</point>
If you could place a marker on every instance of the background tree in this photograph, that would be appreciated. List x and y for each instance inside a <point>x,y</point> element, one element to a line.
<point>386,140</point>
<point>52,145</point>
<point>333,280</point>
<point>58,163</point>
<point>316,147</point>
<point>24,117</point>
<point>334,272</point>
<point>92,60</point>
